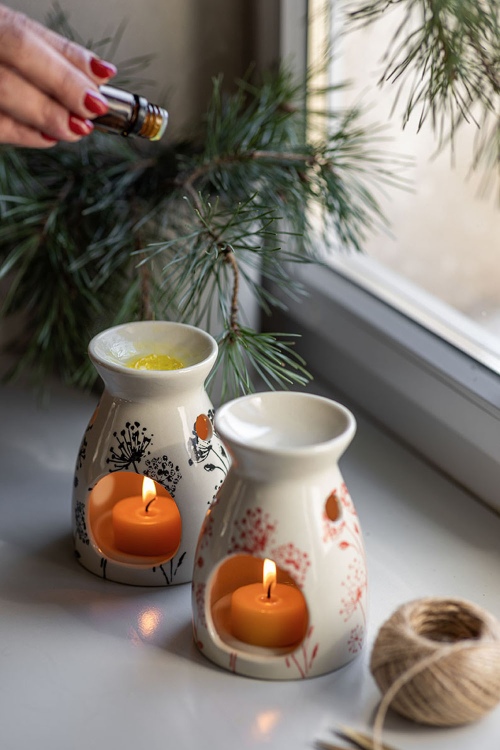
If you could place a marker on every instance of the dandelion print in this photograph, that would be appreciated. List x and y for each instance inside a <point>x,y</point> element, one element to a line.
<point>165,472</point>
<point>132,445</point>
<point>290,558</point>
<point>253,533</point>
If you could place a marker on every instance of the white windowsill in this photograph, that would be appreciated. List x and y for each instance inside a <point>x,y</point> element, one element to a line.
<point>80,667</point>
<point>436,398</point>
<point>424,308</point>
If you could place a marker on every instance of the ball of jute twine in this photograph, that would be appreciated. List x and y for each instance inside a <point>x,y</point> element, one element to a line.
<point>437,662</point>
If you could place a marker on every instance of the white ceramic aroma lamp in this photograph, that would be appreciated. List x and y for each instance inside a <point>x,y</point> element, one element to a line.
<point>283,505</point>
<point>154,424</point>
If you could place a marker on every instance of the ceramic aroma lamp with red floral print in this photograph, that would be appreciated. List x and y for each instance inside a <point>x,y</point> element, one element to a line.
<point>154,424</point>
<point>283,502</point>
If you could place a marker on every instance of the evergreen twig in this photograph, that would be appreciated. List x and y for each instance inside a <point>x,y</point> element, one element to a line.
<point>445,58</point>
<point>106,231</point>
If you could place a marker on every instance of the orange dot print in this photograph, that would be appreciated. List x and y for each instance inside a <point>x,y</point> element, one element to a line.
<point>203,427</point>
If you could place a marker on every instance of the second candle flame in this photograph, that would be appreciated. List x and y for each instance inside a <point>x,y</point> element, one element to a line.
<point>269,575</point>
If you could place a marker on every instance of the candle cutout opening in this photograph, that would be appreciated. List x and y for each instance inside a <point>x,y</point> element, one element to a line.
<point>268,614</point>
<point>112,489</point>
<point>148,524</point>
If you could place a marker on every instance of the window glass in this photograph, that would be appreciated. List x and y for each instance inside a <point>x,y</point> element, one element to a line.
<point>445,232</point>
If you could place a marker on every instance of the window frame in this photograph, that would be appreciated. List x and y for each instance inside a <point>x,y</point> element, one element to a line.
<point>437,398</point>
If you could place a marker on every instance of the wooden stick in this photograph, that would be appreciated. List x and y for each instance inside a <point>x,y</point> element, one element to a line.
<point>363,741</point>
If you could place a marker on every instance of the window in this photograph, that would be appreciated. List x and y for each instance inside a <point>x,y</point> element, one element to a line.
<point>445,231</point>
<point>425,370</point>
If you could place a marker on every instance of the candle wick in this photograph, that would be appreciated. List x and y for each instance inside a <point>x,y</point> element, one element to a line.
<point>269,591</point>
<point>151,501</point>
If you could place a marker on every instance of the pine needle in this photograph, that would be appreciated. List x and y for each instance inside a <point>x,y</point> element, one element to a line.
<point>107,231</point>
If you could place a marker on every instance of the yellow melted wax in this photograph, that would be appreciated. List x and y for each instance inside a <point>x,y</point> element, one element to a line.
<point>155,362</point>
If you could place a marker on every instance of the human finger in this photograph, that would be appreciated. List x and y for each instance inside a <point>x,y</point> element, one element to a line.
<point>99,70</point>
<point>25,103</point>
<point>25,48</point>
<point>14,133</point>
<point>14,26</point>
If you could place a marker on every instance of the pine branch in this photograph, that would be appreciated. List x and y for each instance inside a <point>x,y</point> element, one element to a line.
<point>104,231</point>
<point>445,57</point>
<point>269,355</point>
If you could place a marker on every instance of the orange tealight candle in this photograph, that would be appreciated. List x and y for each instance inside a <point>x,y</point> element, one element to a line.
<point>147,525</point>
<point>268,614</point>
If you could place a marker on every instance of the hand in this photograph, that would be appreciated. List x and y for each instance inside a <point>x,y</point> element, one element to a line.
<point>48,84</point>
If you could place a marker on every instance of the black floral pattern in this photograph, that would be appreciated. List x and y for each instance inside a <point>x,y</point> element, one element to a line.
<point>80,524</point>
<point>132,445</point>
<point>163,471</point>
<point>82,453</point>
<point>169,570</point>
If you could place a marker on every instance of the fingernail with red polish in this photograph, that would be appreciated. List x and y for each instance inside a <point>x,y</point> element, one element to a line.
<point>79,126</point>
<point>102,69</point>
<point>48,138</point>
<point>95,103</point>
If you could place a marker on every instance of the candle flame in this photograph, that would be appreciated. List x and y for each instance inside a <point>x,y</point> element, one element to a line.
<point>269,574</point>
<point>148,490</point>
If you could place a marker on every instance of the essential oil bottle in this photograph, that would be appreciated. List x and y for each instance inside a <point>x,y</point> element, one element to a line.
<point>131,115</point>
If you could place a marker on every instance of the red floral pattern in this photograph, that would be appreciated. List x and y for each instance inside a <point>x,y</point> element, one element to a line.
<point>303,658</point>
<point>207,530</point>
<point>290,558</point>
<point>253,533</point>
<point>354,586</point>
<point>355,582</point>
<point>232,661</point>
<point>356,639</point>
<point>332,529</point>
<point>199,598</point>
